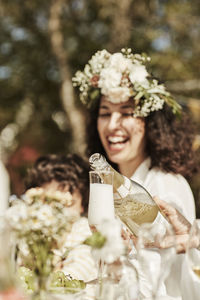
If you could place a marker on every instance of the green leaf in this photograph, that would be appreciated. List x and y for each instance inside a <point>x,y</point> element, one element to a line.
<point>60,280</point>
<point>96,240</point>
<point>27,278</point>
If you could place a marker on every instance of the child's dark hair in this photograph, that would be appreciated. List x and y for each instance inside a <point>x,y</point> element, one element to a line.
<point>67,170</point>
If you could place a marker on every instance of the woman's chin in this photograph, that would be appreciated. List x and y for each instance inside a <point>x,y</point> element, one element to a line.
<point>118,153</point>
<point>116,157</point>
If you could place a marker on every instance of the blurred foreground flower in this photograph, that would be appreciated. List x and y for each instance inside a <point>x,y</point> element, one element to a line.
<point>117,277</point>
<point>108,244</point>
<point>39,222</point>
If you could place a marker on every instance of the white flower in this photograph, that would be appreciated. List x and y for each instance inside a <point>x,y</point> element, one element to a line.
<point>65,198</point>
<point>79,78</point>
<point>138,73</point>
<point>87,71</point>
<point>114,246</point>
<point>109,78</point>
<point>99,61</point>
<point>45,215</point>
<point>118,94</point>
<point>119,62</point>
<point>17,215</point>
<point>33,193</point>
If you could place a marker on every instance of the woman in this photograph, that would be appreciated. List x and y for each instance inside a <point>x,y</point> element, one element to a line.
<point>139,127</point>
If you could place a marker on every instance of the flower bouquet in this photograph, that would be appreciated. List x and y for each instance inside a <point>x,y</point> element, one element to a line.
<point>40,221</point>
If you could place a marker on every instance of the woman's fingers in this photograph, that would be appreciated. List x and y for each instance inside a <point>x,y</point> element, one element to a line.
<point>179,223</point>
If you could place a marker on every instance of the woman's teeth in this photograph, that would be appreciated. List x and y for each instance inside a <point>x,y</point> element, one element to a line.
<point>117,139</point>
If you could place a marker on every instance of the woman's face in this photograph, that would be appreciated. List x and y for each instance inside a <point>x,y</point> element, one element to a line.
<point>121,134</point>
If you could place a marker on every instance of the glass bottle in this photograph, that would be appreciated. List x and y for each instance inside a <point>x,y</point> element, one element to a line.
<point>133,203</point>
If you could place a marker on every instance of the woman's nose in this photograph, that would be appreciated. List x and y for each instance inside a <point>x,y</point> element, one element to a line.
<point>114,121</point>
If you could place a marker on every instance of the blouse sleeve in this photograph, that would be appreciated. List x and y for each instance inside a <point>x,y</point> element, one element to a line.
<point>174,189</point>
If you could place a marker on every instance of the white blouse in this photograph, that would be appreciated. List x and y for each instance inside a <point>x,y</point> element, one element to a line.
<point>169,187</point>
<point>175,190</point>
<point>79,262</point>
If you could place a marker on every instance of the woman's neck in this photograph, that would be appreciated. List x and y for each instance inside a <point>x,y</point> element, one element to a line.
<point>128,168</point>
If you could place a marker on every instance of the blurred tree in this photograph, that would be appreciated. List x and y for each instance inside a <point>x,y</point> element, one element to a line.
<point>43,43</point>
<point>76,120</point>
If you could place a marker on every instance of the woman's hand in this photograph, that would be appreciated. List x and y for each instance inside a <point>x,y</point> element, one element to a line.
<point>128,238</point>
<point>179,223</point>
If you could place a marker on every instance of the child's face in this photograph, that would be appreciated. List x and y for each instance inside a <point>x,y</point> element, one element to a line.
<point>76,206</point>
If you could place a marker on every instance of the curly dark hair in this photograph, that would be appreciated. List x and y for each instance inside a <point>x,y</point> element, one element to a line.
<point>169,141</point>
<point>68,170</point>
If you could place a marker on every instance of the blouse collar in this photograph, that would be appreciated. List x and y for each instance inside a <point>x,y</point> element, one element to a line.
<point>141,172</point>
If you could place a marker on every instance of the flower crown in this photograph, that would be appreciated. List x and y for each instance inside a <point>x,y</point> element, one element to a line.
<point>119,77</point>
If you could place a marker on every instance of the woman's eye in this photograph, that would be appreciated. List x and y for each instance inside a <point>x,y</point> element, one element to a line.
<point>104,115</point>
<point>122,115</point>
<point>127,115</point>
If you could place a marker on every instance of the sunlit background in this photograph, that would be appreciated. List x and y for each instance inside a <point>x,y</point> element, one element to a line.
<point>43,43</point>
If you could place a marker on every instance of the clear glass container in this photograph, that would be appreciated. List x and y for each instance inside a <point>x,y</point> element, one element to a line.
<point>133,203</point>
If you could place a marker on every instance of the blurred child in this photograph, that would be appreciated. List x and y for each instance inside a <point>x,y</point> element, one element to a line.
<point>68,174</point>
<point>64,173</point>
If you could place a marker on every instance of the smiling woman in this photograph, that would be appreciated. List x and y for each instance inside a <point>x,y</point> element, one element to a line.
<point>155,151</point>
<point>122,136</point>
<point>141,130</point>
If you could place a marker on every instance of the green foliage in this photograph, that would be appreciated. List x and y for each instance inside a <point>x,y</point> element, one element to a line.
<point>96,240</point>
<point>68,285</point>
<point>59,282</point>
<point>27,279</point>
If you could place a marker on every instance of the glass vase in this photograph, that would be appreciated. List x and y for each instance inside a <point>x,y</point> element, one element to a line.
<point>119,281</point>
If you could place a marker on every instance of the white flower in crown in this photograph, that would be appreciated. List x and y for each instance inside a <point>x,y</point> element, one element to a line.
<point>109,78</point>
<point>138,73</point>
<point>118,94</point>
<point>119,62</point>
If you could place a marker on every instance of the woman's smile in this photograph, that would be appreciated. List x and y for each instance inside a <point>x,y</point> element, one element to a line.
<point>116,142</point>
